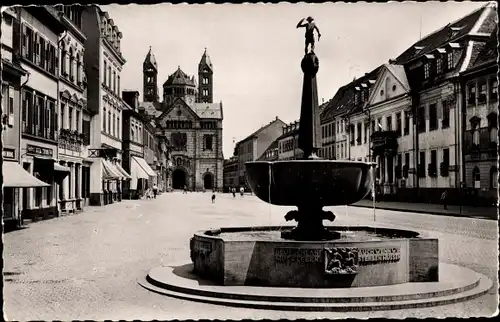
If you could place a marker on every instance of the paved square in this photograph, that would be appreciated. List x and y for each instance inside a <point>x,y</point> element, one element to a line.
<point>86,266</point>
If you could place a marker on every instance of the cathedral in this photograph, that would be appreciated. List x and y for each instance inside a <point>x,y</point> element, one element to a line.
<point>189,122</point>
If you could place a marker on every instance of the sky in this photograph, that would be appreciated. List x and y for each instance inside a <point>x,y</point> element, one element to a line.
<point>256,50</point>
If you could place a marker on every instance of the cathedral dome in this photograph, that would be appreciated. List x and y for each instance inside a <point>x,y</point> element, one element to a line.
<point>179,78</point>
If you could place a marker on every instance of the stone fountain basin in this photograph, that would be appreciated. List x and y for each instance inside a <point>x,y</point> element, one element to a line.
<point>250,258</point>
<point>319,182</point>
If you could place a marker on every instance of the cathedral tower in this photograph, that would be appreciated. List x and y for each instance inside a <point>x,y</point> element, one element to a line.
<point>150,72</point>
<point>205,79</point>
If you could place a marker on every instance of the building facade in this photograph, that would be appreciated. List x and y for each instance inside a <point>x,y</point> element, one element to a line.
<point>36,38</point>
<point>16,180</point>
<point>480,102</point>
<point>254,145</point>
<point>136,148</point>
<point>189,123</point>
<point>288,142</point>
<point>408,115</point>
<point>231,175</point>
<point>103,63</point>
<point>73,193</point>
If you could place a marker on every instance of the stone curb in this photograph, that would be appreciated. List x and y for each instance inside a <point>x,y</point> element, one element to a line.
<point>426,212</point>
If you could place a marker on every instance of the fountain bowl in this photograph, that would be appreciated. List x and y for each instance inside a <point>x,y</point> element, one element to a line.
<point>313,181</point>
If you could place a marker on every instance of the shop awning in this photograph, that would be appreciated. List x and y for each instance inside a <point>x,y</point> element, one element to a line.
<point>123,172</point>
<point>145,166</point>
<point>109,172</point>
<point>137,171</point>
<point>14,176</point>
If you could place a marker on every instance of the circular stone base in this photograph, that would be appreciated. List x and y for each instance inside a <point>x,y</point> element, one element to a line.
<point>457,284</point>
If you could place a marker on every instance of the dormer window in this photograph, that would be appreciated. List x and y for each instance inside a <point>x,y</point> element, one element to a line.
<point>439,65</point>
<point>449,60</point>
<point>427,70</point>
<point>418,49</point>
<point>454,31</point>
<point>356,98</point>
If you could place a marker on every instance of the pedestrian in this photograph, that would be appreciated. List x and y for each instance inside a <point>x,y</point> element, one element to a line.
<point>213,196</point>
<point>155,190</point>
<point>444,200</point>
<point>185,189</point>
<point>242,190</point>
<point>234,192</point>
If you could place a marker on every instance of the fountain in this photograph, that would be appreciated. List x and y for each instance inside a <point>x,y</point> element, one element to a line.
<point>284,268</point>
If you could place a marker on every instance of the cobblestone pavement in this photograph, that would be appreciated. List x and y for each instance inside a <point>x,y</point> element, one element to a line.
<point>86,266</point>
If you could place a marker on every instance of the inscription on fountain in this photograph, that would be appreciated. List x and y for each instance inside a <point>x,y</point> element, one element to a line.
<point>294,255</point>
<point>377,255</point>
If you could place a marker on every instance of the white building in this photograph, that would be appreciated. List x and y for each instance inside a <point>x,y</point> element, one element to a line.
<point>72,145</point>
<point>103,64</point>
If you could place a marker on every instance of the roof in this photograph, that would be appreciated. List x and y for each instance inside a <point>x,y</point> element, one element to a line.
<point>489,52</point>
<point>399,72</point>
<point>205,60</point>
<point>272,146</point>
<point>288,134</point>
<point>150,59</point>
<point>179,78</point>
<point>343,101</point>
<point>151,108</point>
<point>208,110</point>
<point>262,128</point>
<point>450,33</point>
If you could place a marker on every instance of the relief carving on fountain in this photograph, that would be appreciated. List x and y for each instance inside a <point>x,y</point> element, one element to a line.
<point>341,260</point>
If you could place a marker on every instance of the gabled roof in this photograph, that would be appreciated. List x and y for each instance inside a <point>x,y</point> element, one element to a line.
<point>179,78</point>
<point>343,101</point>
<point>150,60</point>
<point>272,146</point>
<point>262,128</point>
<point>178,103</point>
<point>208,110</point>
<point>473,23</point>
<point>205,61</point>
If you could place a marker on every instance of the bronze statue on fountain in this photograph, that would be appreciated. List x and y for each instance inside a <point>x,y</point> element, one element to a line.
<point>311,183</point>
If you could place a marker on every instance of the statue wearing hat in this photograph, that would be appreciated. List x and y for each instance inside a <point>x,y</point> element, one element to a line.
<point>310,26</point>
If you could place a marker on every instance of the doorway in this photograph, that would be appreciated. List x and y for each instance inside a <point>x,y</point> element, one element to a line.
<point>208,181</point>
<point>178,179</point>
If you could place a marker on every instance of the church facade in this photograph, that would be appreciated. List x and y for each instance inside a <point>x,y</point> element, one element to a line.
<point>189,122</point>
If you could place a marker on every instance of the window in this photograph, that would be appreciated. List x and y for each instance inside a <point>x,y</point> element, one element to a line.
<point>118,126</point>
<point>351,133</point>
<point>43,53</point>
<point>398,124</point>
<point>105,74</point>
<point>109,77</point>
<point>493,89</point>
<point>373,127</point>
<point>118,85</point>
<point>439,65</point>
<point>78,69</point>
<point>356,99</point>
<point>399,166</point>
<point>433,120</point>
<point>86,132</point>
<point>421,165</point>
<point>433,165</point>
<point>407,165</point>
<point>421,119</point>
<point>114,125</point>
<point>109,122</point>
<point>389,123</point>
<point>445,123</point>
<point>70,118</point>
<point>71,64</point>
<point>104,119</point>
<point>494,178</point>
<point>475,132</point>
<point>446,163</point>
<point>493,128</point>
<point>367,128</point>
<point>482,92</point>
<point>406,129</point>
<point>205,80</point>
<point>114,81</point>
<point>379,124</point>
<point>476,177</point>
<point>427,69</point>
<point>450,60</point>
<point>471,90</point>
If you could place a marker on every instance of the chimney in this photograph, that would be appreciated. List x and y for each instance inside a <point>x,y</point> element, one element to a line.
<point>276,118</point>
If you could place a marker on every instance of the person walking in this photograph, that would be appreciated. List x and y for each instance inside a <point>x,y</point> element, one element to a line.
<point>444,200</point>
<point>213,196</point>
<point>242,191</point>
<point>155,190</point>
<point>234,192</point>
<point>185,189</point>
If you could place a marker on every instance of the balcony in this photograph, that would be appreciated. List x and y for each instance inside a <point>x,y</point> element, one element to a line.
<point>71,140</point>
<point>384,142</point>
